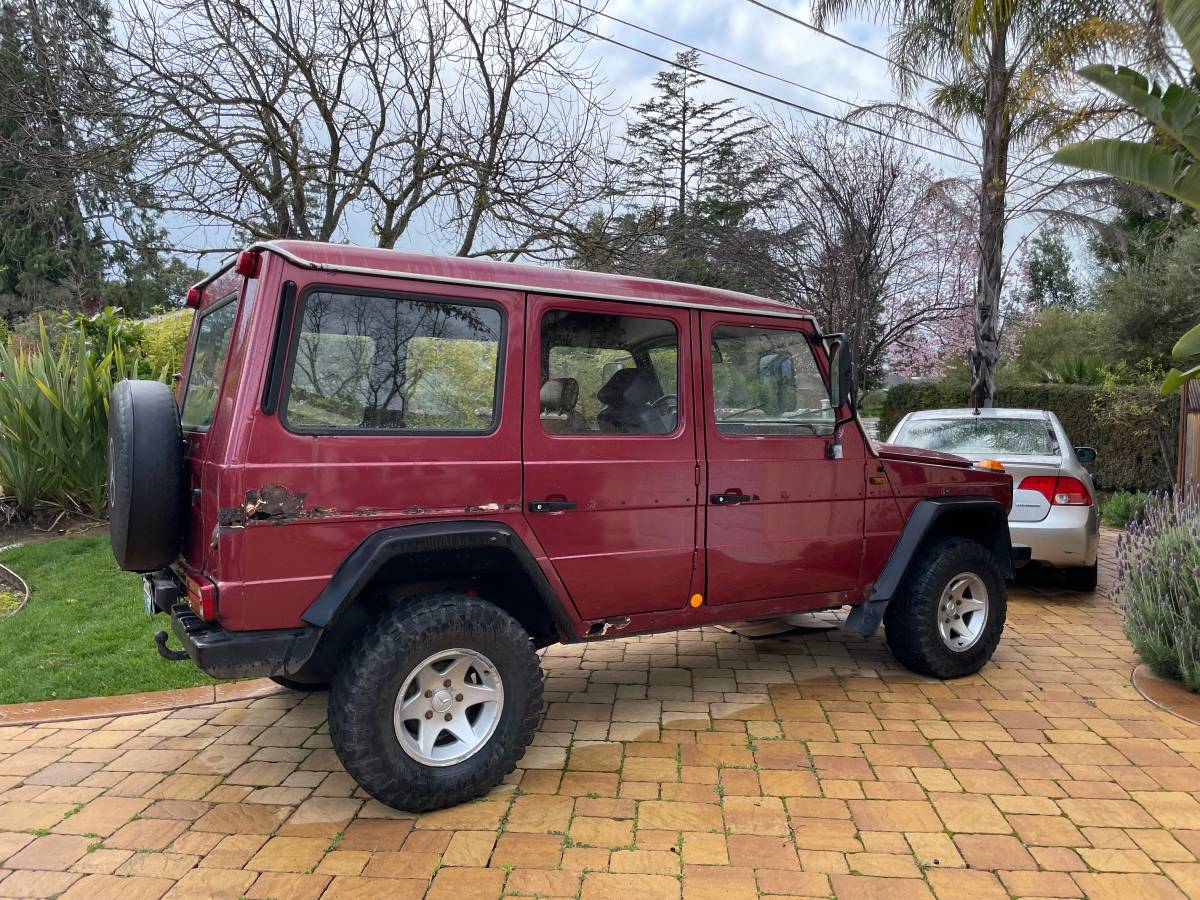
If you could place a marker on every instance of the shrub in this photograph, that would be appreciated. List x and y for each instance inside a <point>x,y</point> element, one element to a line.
<point>1121,508</point>
<point>164,339</point>
<point>1158,564</point>
<point>54,419</point>
<point>1132,426</point>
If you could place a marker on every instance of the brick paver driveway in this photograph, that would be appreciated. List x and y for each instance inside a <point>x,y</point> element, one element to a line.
<point>696,764</point>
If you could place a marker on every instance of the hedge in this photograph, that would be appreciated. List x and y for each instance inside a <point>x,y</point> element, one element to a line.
<point>1133,427</point>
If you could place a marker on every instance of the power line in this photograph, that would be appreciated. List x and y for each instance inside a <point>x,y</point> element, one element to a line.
<point>742,87</point>
<point>841,40</point>
<point>749,68</point>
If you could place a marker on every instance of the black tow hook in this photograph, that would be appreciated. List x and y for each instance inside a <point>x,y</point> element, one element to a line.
<point>166,652</point>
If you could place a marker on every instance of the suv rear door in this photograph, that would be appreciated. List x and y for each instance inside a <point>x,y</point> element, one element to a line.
<point>610,451</point>
<point>783,520</point>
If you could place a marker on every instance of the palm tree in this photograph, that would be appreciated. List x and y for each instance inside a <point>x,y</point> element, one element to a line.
<point>1168,161</point>
<point>995,65</point>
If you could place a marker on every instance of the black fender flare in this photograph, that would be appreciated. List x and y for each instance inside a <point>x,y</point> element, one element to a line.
<point>990,520</point>
<point>379,548</point>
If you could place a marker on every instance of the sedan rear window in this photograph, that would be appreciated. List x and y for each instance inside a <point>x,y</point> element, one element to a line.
<point>980,436</point>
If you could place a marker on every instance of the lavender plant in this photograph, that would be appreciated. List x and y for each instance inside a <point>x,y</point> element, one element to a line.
<point>1158,581</point>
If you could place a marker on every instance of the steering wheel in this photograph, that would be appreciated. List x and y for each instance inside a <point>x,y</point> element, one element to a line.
<point>669,401</point>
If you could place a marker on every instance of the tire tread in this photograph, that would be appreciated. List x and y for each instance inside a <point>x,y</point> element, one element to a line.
<point>382,648</point>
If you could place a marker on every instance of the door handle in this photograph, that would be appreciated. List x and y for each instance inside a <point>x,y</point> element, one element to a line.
<point>551,505</point>
<point>731,497</point>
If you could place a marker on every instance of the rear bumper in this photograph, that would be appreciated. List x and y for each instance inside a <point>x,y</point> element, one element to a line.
<point>1068,536</point>
<point>242,654</point>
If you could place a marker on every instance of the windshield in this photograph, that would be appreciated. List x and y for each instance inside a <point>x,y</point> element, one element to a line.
<point>979,437</point>
<point>208,365</point>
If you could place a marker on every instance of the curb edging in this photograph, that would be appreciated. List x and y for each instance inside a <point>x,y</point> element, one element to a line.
<point>132,704</point>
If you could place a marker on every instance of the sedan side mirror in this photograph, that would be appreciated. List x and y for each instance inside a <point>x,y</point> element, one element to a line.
<point>1085,455</point>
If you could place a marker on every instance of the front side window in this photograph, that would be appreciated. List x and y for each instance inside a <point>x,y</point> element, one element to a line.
<point>766,382</point>
<point>604,374</point>
<point>382,363</point>
<point>213,332</point>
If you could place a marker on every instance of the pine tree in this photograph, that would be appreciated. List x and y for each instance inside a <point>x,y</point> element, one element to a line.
<point>691,182</point>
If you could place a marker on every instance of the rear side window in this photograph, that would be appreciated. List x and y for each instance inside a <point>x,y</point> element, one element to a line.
<point>379,363</point>
<point>208,364</point>
<point>766,382</point>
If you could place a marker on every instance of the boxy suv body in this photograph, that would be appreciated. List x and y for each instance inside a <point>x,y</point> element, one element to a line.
<point>404,474</point>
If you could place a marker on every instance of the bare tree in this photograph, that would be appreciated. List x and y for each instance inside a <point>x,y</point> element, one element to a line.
<point>288,118</point>
<point>865,239</point>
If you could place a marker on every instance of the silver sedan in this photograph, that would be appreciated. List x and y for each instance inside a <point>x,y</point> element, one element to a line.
<point>1054,501</point>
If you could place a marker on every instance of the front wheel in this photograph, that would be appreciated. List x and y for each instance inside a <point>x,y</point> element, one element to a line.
<point>949,615</point>
<point>436,702</point>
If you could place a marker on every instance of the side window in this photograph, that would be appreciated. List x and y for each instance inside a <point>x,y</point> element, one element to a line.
<point>213,332</point>
<point>389,364</point>
<point>766,382</point>
<point>604,374</point>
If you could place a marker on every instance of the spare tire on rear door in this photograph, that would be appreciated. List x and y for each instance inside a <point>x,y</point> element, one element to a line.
<point>145,475</point>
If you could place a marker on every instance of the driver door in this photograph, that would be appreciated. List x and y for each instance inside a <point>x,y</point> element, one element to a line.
<point>783,520</point>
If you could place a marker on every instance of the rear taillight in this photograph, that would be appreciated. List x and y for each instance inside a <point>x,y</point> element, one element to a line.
<point>202,598</point>
<point>1061,490</point>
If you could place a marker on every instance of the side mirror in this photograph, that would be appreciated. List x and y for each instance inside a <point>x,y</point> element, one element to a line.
<point>841,375</point>
<point>1085,455</point>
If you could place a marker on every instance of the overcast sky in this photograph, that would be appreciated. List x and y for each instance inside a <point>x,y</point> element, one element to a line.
<point>733,28</point>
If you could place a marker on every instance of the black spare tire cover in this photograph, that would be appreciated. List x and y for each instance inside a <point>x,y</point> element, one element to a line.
<point>145,475</point>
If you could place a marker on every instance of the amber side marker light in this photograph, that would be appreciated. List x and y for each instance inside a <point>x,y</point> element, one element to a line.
<point>990,465</point>
<point>695,600</point>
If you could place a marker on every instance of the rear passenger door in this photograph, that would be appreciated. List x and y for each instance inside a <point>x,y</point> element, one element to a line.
<point>610,451</point>
<point>783,520</point>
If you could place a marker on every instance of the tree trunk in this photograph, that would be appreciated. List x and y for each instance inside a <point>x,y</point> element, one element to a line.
<point>993,187</point>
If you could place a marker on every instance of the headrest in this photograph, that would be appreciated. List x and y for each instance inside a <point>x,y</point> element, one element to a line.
<point>631,387</point>
<point>559,395</point>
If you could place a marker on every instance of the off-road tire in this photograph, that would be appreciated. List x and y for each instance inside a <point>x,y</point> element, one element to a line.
<point>911,619</point>
<point>307,687</point>
<point>364,691</point>
<point>1082,578</point>
<point>145,475</point>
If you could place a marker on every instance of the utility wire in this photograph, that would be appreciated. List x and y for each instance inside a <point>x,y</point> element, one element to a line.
<point>841,40</point>
<point>774,98</point>
<point>741,87</point>
<point>749,68</point>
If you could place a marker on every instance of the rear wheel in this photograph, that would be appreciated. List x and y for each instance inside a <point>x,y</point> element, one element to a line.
<point>436,702</point>
<point>947,619</point>
<point>1082,578</point>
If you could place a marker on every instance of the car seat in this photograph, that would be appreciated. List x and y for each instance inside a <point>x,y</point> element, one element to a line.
<point>558,399</point>
<point>627,397</point>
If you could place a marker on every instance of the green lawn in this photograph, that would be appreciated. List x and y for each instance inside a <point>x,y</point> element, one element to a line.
<point>84,632</point>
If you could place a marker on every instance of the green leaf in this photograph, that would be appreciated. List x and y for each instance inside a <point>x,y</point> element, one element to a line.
<point>1184,16</point>
<point>1188,345</point>
<point>1149,165</point>
<point>1173,110</point>
<point>1176,379</point>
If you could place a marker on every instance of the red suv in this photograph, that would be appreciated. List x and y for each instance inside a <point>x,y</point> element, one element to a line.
<point>402,475</point>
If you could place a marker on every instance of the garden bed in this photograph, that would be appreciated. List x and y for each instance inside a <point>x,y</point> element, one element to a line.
<point>83,632</point>
<point>13,592</point>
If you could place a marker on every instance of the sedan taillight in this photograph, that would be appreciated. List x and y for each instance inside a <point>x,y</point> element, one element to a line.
<point>1061,490</point>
